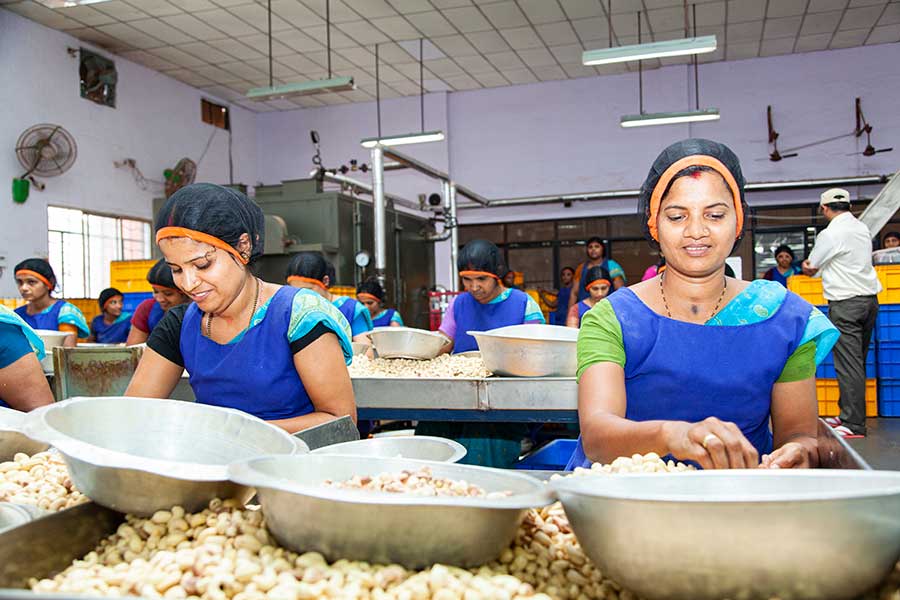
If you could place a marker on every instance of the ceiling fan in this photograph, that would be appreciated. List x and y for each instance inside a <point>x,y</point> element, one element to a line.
<point>863,126</point>
<point>775,155</point>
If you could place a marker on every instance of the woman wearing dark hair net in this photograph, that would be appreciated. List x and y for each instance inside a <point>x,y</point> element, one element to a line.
<point>784,267</point>
<point>693,364</point>
<point>371,295</point>
<point>36,281</point>
<point>599,282</point>
<point>111,326</point>
<point>273,351</point>
<point>151,311</point>
<point>485,304</point>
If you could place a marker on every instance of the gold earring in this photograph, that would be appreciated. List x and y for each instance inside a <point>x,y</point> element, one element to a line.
<point>245,255</point>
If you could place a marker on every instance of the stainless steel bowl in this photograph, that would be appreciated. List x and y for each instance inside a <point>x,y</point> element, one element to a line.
<point>304,515</point>
<point>416,447</point>
<point>406,342</point>
<point>739,534</point>
<point>12,439</point>
<point>52,339</point>
<point>529,350</point>
<point>13,515</point>
<point>359,348</point>
<point>140,455</point>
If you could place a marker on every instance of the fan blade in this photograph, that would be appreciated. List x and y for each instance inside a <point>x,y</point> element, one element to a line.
<point>884,150</point>
<point>792,155</point>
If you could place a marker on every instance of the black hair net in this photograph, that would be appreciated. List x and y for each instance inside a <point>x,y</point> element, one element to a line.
<point>106,294</point>
<point>595,273</point>
<point>38,265</point>
<point>481,255</point>
<point>308,264</point>
<point>218,211</point>
<point>371,286</point>
<point>161,274</point>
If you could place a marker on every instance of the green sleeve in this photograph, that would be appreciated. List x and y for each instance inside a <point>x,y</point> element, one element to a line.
<point>600,338</point>
<point>800,365</point>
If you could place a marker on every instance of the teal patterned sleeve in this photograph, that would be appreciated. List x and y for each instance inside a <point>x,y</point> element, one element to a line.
<point>820,330</point>
<point>362,320</point>
<point>533,312</point>
<point>616,270</point>
<point>69,314</point>
<point>396,318</point>
<point>308,310</point>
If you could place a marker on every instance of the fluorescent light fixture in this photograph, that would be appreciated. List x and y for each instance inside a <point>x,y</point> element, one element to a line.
<point>68,3</point>
<point>406,138</point>
<point>305,88</point>
<point>605,56</point>
<point>669,118</point>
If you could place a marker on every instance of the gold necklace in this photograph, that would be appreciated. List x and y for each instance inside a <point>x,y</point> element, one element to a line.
<point>209,316</point>
<point>662,293</point>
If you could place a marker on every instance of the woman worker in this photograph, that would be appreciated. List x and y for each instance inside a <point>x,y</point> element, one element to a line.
<point>111,326</point>
<point>309,270</point>
<point>151,311</point>
<point>598,286</point>
<point>784,266</point>
<point>36,281</point>
<point>559,303</point>
<point>273,351</point>
<point>23,385</point>
<point>484,305</point>
<point>371,295</point>
<point>692,363</point>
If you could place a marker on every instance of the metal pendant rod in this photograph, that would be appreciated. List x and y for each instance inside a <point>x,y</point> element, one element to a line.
<point>271,82</point>
<point>379,220</point>
<point>422,81</point>
<point>640,69</point>
<point>454,236</point>
<point>377,92</point>
<point>696,64</point>
<point>327,33</point>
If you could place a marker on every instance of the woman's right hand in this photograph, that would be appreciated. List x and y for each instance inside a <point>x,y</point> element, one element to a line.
<point>712,443</point>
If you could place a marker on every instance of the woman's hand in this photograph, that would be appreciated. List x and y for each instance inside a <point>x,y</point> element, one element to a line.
<point>712,443</point>
<point>792,455</point>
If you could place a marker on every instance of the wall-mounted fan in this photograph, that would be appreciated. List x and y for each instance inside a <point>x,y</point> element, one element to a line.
<point>181,175</point>
<point>775,155</point>
<point>43,150</point>
<point>864,127</point>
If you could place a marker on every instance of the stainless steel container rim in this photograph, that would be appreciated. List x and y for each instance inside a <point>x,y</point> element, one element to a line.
<point>389,329</point>
<point>12,420</point>
<point>499,333</point>
<point>459,451</point>
<point>243,473</point>
<point>592,485</point>
<point>36,427</point>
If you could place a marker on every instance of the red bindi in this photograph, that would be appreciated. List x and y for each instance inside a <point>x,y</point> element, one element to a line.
<point>696,174</point>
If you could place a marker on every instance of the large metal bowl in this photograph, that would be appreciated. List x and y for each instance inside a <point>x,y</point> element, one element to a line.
<point>12,439</point>
<point>415,447</point>
<point>407,342</point>
<point>140,455</point>
<point>384,528</point>
<point>529,350</point>
<point>739,534</point>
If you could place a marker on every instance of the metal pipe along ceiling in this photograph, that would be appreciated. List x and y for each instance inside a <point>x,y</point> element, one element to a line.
<point>359,186</point>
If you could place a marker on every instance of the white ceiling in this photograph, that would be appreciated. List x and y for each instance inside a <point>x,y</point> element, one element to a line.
<point>221,45</point>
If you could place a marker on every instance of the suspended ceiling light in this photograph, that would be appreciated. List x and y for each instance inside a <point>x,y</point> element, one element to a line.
<point>304,88</point>
<point>68,3</point>
<point>669,118</point>
<point>697,45</point>
<point>405,138</point>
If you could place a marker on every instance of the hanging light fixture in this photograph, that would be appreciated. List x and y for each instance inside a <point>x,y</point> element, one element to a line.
<point>687,46</point>
<point>405,138</point>
<point>643,119</point>
<point>304,88</point>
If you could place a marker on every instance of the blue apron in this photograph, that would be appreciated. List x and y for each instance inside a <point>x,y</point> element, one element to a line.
<point>384,319</point>
<point>582,310</point>
<point>155,316</point>
<point>256,374</point>
<point>471,315</point>
<point>115,333</point>
<point>10,318</point>
<point>582,292</point>
<point>43,320</point>
<point>676,371</point>
<point>559,316</point>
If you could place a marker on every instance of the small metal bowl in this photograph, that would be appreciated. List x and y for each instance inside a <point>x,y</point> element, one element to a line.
<point>415,447</point>
<point>384,528</point>
<point>140,455</point>
<point>52,339</point>
<point>739,534</point>
<point>407,342</point>
<point>532,350</point>
<point>12,439</point>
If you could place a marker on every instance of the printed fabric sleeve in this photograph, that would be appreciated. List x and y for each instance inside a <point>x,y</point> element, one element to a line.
<point>13,318</point>
<point>141,318</point>
<point>311,317</point>
<point>13,344</point>
<point>165,339</point>
<point>616,270</point>
<point>533,312</point>
<point>69,314</point>
<point>600,338</point>
<point>818,339</point>
<point>396,318</point>
<point>448,323</point>
<point>362,320</point>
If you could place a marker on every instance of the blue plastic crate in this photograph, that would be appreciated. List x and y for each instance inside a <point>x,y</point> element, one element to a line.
<point>826,369</point>
<point>130,300</point>
<point>889,397</point>
<point>889,360</point>
<point>552,457</point>
<point>887,328</point>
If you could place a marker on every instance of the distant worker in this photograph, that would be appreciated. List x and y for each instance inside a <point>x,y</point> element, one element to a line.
<point>598,286</point>
<point>891,240</point>
<point>596,257</point>
<point>558,301</point>
<point>784,266</point>
<point>151,311</point>
<point>36,281</point>
<point>112,325</point>
<point>371,294</point>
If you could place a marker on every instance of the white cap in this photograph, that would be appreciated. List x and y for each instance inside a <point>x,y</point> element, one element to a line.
<point>834,195</point>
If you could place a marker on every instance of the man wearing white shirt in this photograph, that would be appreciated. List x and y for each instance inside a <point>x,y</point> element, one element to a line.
<point>843,257</point>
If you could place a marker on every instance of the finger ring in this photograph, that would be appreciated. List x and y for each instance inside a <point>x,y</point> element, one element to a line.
<point>709,437</point>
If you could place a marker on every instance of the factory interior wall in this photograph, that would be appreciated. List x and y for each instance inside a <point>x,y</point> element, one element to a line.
<point>156,121</point>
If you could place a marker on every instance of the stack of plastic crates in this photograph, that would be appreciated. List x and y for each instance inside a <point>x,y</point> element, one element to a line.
<point>888,336</point>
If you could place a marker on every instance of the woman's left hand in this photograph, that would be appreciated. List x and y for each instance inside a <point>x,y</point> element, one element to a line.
<point>791,455</point>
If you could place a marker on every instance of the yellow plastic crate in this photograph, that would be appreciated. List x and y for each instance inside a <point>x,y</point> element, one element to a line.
<point>537,299</point>
<point>88,307</point>
<point>828,393</point>
<point>12,303</point>
<point>808,288</point>
<point>343,290</point>
<point>889,276</point>
<point>130,275</point>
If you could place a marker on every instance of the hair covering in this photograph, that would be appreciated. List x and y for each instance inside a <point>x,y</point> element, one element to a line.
<point>213,214</point>
<point>372,288</point>
<point>160,275</point>
<point>38,268</point>
<point>834,196</point>
<point>693,152</point>
<point>310,267</point>
<point>595,274</point>
<point>784,248</point>
<point>481,257</point>
<point>107,295</point>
